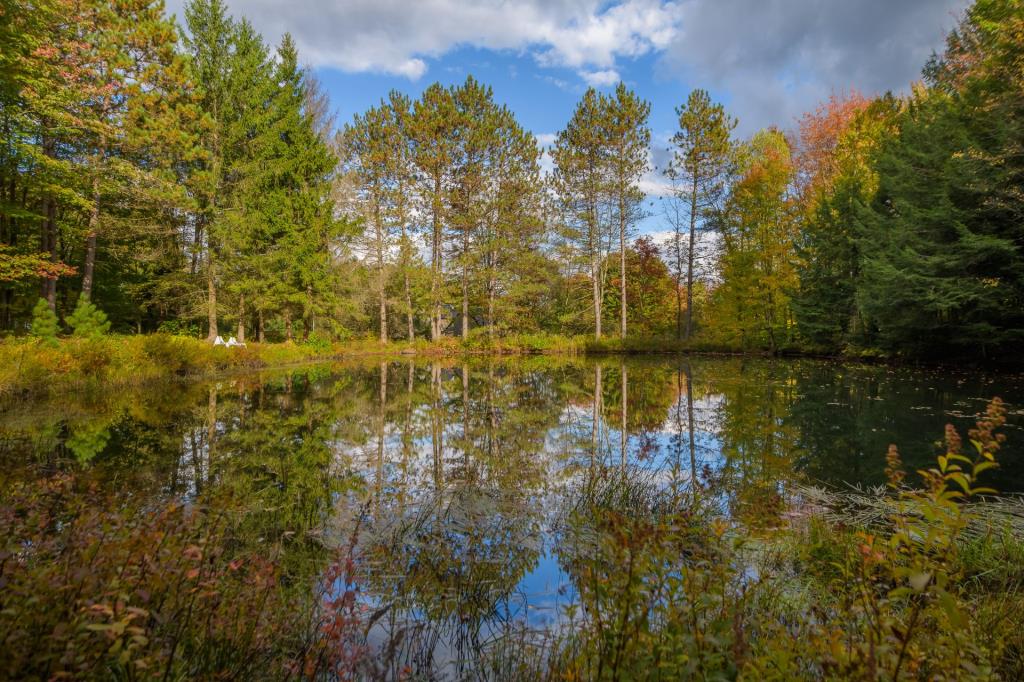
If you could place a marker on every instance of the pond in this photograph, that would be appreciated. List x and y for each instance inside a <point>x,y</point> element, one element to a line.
<point>459,474</point>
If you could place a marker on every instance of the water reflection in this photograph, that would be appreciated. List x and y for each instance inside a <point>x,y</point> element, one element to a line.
<point>459,472</point>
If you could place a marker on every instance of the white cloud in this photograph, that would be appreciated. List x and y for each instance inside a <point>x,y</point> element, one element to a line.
<point>546,139</point>
<point>601,79</point>
<point>396,36</point>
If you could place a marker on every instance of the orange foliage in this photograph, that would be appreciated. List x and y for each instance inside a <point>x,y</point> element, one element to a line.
<point>820,131</point>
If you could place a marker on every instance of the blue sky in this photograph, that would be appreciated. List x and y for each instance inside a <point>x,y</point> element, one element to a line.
<point>766,60</point>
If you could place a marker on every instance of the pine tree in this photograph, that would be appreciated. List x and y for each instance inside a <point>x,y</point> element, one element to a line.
<point>301,177</point>
<point>698,170</point>
<point>941,263</point>
<point>371,142</point>
<point>88,321</point>
<point>44,323</point>
<point>402,182</point>
<point>628,139</point>
<point>836,187</point>
<point>581,181</point>
<point>433,128</point>
<point>512,229</point>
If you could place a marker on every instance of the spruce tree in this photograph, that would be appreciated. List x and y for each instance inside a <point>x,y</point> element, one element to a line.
<point>208,44</point>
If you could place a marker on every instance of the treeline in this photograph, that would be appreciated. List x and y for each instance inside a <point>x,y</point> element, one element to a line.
<point>166,176</point>
<point>184,179</point>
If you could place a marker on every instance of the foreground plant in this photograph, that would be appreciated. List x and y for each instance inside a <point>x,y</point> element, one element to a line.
<point>94,587</point>
<point>670,589</point>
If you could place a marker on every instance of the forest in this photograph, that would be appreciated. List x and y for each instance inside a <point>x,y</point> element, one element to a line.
<point>187,178</point>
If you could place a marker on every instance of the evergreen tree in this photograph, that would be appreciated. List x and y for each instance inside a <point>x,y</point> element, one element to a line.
<point>372,141</point>
<point>88,321</point>
<point>433,129</point>
<point>44,323</point>
<point>581,181</point>
<point>512,230</point>
<point>824,304</point>
<point>208,43</point>
<point>402,183</point>
<point>942,269</point>
<point>698,171</point>
<point>628,140</point>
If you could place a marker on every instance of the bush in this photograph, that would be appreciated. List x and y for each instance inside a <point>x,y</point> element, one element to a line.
<point>318,343</point>
<point>176,354</point>
<point>88,321</point>
<point>44,323</point>
<point>179,328</point>
<point>97,587</point>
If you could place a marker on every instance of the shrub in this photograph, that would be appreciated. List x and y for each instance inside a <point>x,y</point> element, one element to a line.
<point>318,343</point>
<point>180,355</point>
<point>98,587</point>
<point>44,323</point>
<point>88,321</point>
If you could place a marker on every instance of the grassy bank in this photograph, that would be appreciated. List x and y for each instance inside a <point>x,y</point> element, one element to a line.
<point>34,367</point>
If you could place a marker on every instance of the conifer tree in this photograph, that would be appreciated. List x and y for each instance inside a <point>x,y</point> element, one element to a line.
<point>702,148</point>
<point>581,181</point>
<point>433,128</point>
<point>44,323</point>
<point>370,147</point>
<point>402,182</point>
<point>628,141</point>
<point>88,321</point>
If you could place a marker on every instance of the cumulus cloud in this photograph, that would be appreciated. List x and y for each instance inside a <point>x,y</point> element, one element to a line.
<point>396,36</point>
<point>776,58</point>
<point>601,79</point>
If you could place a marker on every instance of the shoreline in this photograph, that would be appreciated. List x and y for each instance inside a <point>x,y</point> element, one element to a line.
<point>30,368</point>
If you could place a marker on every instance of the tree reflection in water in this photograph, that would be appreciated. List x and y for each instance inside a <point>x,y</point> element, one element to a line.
<point>464,470</point>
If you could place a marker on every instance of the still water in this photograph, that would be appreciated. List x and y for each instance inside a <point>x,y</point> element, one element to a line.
<point>457,473</point>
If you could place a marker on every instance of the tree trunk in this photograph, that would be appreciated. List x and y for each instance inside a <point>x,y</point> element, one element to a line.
<point>689,258</point>
<point>622,266</point>
<point>596,419</point>
<point>408,289</point>
<point>490,306</point>
<point>465,284</point>
<point>211,299</point>
<point>381,424</point>
<point>48,287</point>
<point>436,265</point>
<point>465,423</point>
<point>89,266</point>
<point>679,282</point>
<point>261,334</point>
<point>211,432</point>
<point>381,280</point>
<point>308,321</point>
<point>437,425</point>
<point>288,325</point>
<point>241,318</point>
<point>595,276</point>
